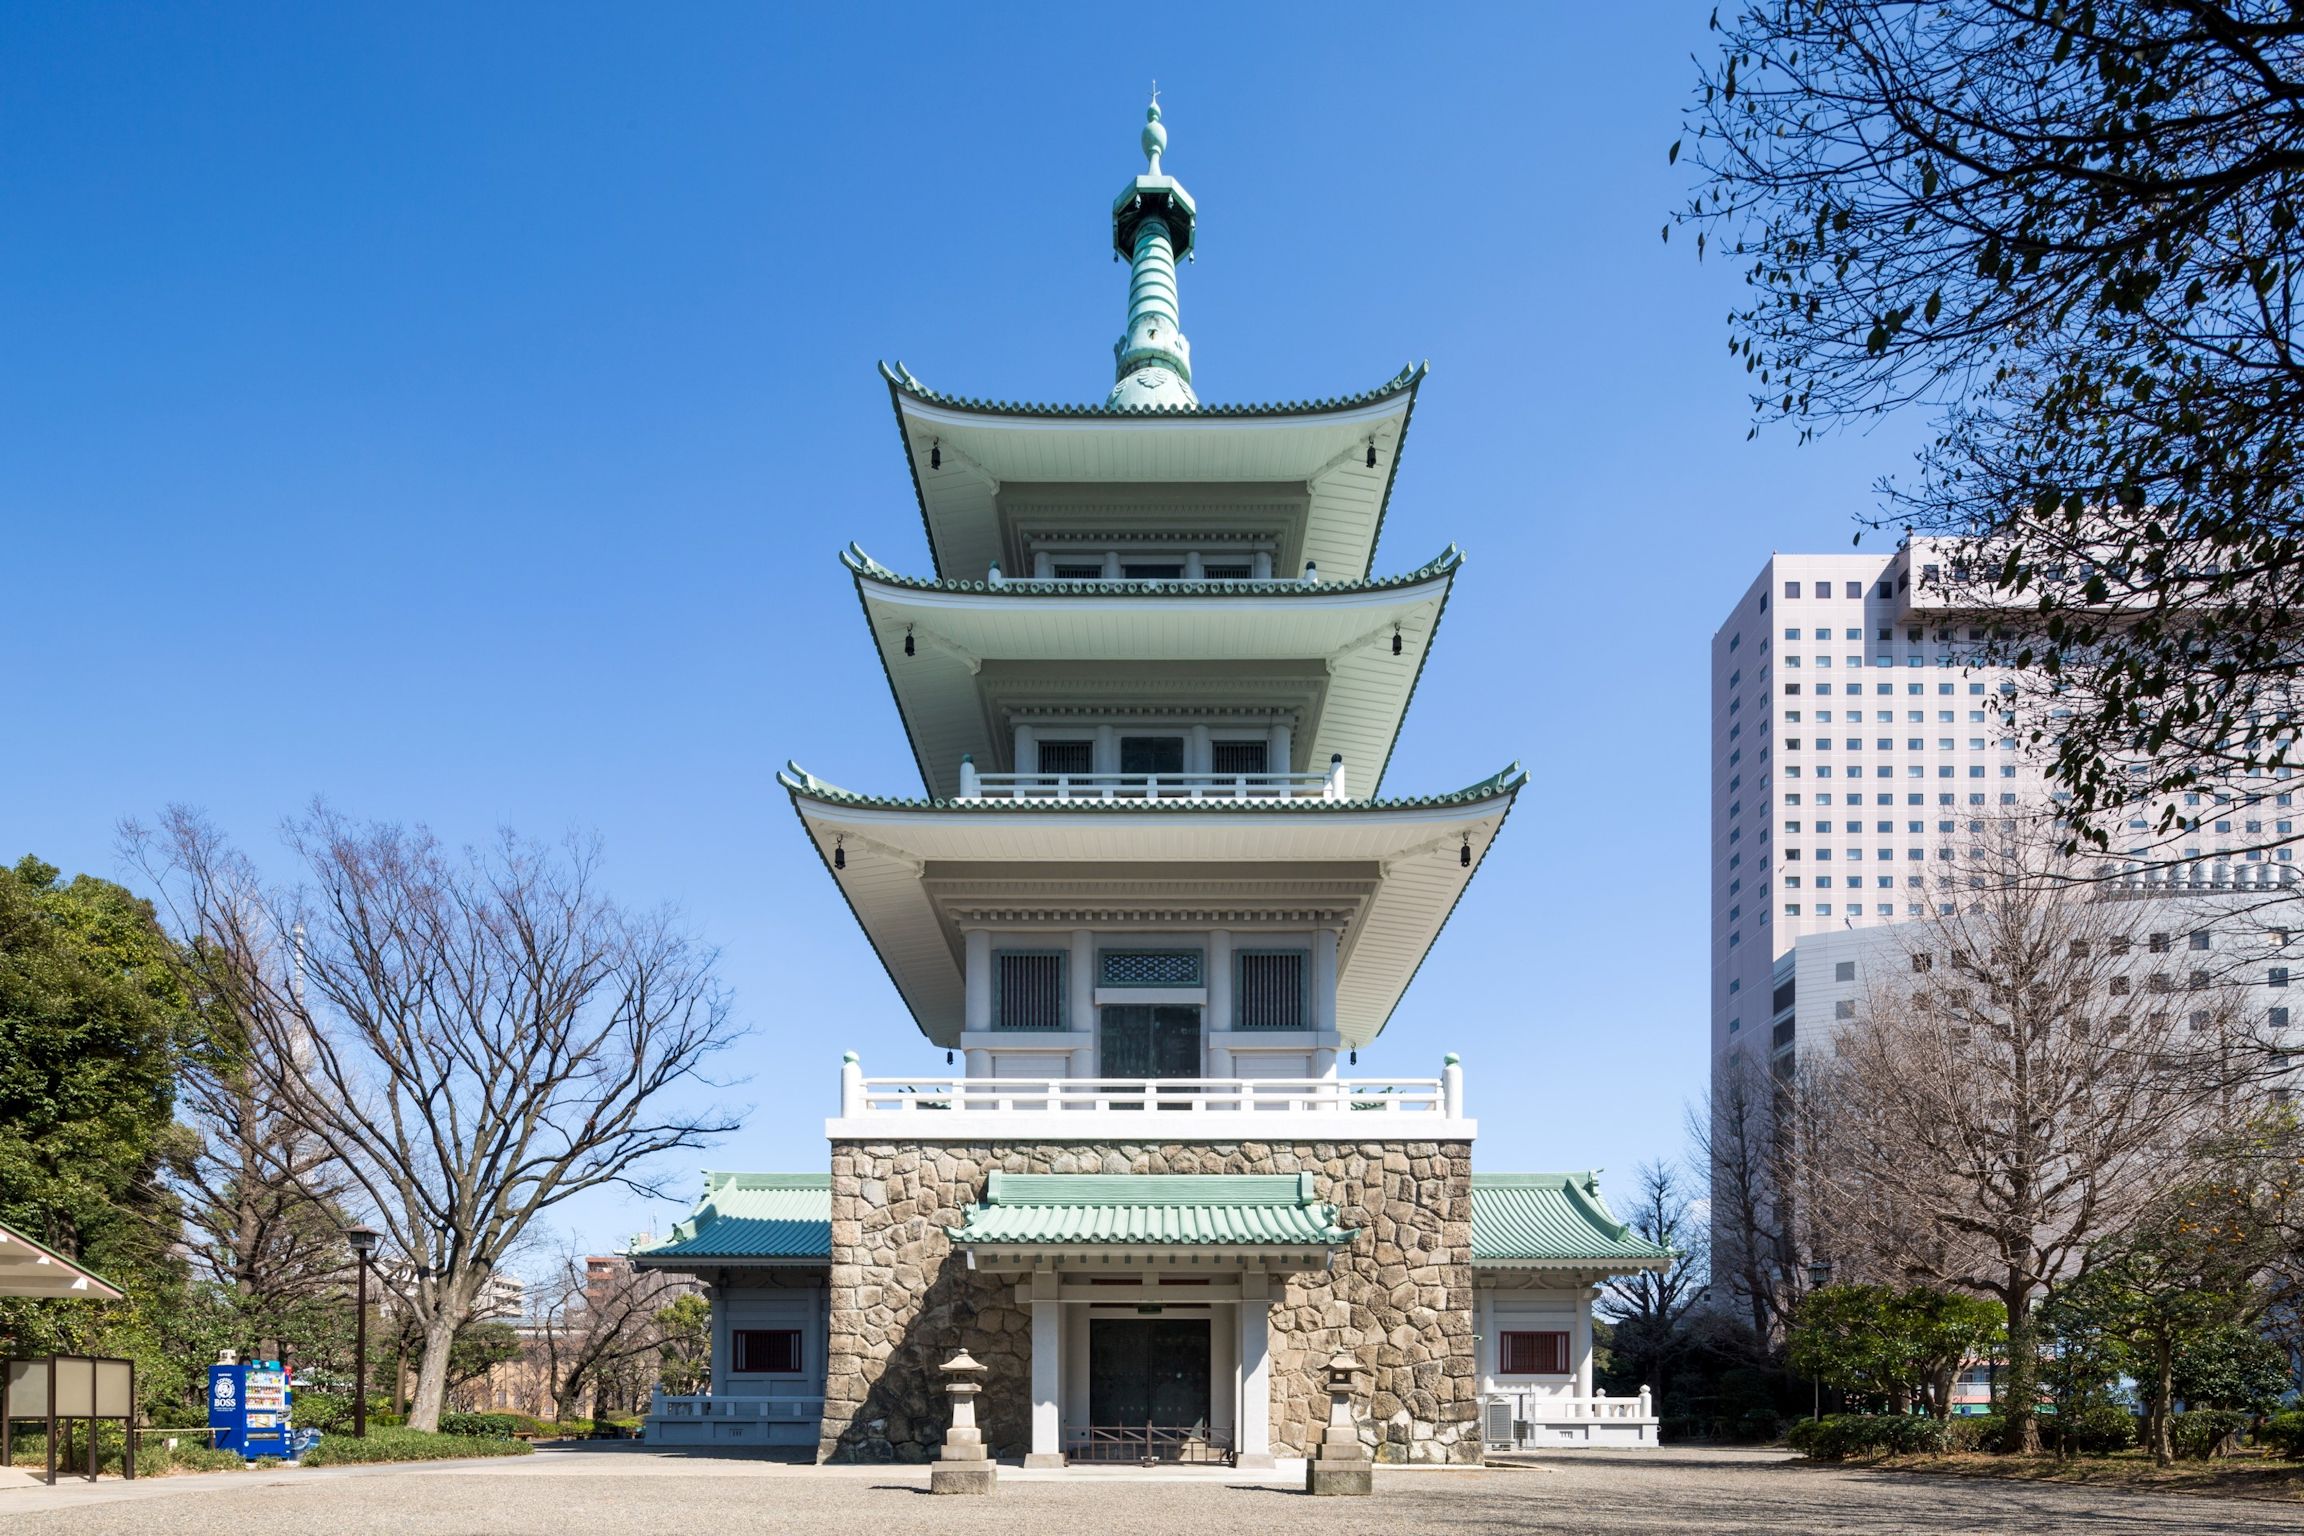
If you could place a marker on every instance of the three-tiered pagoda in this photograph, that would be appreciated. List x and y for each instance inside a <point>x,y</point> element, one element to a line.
<point>1148,898</point>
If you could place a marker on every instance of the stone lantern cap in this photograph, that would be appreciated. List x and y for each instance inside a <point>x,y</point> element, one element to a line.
<point>962,1364</point>
<point>1343,1367</point>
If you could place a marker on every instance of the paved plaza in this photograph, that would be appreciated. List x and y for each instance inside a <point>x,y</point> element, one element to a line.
<point>632,1492</point>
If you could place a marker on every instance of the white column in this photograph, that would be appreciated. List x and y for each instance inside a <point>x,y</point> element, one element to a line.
<point>1193,569</point>
<point>978,979</point>
<point>1198,757</point>
<point>1043,565</point>
<point>1047,1373</point>
<point>1252,1438</point>
<point>1111,565</point>
<point>1080,1013</point>
<point>1324,980</point>
<point>1107,749</point>
<point>1218,1013</point>
<point>1580,1342</point>
<point>1027,758</point>
<point>1280,755</point>
<point>1260,565</point>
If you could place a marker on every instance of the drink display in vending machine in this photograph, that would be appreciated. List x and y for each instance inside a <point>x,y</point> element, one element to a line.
<point>248,1407</point>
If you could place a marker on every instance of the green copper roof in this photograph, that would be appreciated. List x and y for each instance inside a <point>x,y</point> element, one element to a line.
<point>901,382</point>
<point>1443,564</point>
<point>1257,1210</point>
<point>803,784</point>
<point>1518,1219</point>
<point>755,1216</point>
<point>1551,1218</point>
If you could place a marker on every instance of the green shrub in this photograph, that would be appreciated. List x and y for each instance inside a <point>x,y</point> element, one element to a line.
<point>2090,1429</point>
<point>331,1412</point>
<point>2284,1433</point>
<point>1974,1432</point>
<point>408,1445</point>
<point>1839,1436</point>
<point>500,1425</point>
<point>2204,1432</point>
<point>193,1457</point>
<point>177,1416</point>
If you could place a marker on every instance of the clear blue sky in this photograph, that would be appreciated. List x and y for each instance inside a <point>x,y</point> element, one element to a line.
<point>456,410</point>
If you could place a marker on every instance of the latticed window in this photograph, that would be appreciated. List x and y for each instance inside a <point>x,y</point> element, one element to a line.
<point>1067,757</point>
<point>1149,968</point>
<point>1272,992</point>
<point>1236,756</point>
<point>766,1351</point>
<point>1533,1354</point>
<point>1030,992</point>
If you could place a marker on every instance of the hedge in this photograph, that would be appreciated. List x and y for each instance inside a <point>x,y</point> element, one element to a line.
<point>1836,1437</point>
<point>2284,1432</point>
<point>408,1445</point>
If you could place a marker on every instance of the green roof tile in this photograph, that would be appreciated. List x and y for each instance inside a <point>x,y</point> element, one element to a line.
<point>1550,1218</point>
<point>804,785</point>
<point>863,565</point>
<point>901,381</point>
<point>1151,1209</point>
<point>755,1216</point>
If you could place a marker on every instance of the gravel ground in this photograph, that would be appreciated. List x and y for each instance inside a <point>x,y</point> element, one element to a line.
<point>562,1493</point>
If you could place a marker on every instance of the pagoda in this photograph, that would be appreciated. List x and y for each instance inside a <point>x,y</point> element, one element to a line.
<point>1151,903</point>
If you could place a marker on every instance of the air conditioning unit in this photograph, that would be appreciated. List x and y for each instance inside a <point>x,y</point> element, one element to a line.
<point>1500,1427</point>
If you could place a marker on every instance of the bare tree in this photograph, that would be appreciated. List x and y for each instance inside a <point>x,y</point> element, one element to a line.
<point>1746,1143</point>
<point>1649,1308</point>
<point>480,1037</point>
<point>2013,1098</point>
<point>263,1196</point>
<point>599,1328</point>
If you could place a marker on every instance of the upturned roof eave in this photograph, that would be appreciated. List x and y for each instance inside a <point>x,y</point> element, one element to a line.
<point>821,809</point>
<point>903,387</point>
<point>1434,582</point>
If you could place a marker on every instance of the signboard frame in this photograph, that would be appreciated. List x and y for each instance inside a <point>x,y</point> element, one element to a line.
<point>61,1390</point>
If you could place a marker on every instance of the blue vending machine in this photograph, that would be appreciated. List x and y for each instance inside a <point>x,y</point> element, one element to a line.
<point>248,1407</point>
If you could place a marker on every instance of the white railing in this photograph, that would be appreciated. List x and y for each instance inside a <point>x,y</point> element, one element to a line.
<point>1153,786</point>
<point>753,1410</point>
<point>1515,1418</point>
<point>1148,786</point>
<point>1439,1097</point>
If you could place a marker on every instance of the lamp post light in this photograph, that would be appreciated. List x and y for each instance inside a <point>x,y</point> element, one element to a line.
<point>363,1241</point>
<point>1819,1276</point>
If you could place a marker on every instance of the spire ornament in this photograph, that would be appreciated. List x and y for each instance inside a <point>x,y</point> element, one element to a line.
<point>1152,224</point>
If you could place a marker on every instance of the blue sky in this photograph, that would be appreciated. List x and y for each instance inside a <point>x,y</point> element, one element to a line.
<point>455,411</point>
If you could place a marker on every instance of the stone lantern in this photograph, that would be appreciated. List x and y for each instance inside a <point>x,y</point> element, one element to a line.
<point>961,1464</point>
<point>1339,1465</point>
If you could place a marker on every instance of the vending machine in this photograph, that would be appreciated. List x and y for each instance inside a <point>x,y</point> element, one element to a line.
<point>248,1407</point>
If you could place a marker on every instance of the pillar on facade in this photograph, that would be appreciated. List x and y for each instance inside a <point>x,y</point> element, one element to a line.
<point>1280,750</point>
<point>1580,1341</point>
<point>1047,1371</point>
<point>1107,749</point>
<point>1026,758</point>
<point>977,946</point>
<point>1252,1429</point>
<point>1219,1016</point>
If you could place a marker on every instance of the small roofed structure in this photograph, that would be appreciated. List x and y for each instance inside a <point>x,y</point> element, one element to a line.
<point>28,1268</point>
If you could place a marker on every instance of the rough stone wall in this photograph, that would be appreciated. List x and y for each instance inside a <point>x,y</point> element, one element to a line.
<point>1400,1298</point>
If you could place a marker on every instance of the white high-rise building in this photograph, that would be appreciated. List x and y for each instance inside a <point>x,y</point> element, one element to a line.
<point>1861,748</point>
<point>1857,744</point>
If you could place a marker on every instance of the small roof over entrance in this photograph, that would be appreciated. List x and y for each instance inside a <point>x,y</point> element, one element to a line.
<point>1028,1217</point>
<point>29,1269</point>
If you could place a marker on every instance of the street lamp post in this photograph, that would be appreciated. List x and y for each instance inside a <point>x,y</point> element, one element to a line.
<point>363,1241</point>
<point>1819,1276</point>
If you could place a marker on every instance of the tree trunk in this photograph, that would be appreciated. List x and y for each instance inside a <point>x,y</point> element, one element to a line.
<point>432,1371</point>
<point>2163,1395</point>
<point>2020,1388</point>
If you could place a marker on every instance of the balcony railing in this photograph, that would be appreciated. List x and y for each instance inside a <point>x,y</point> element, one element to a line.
<point>751,1410</point>
<point>1382,1096</point>
<point>1153,786</point>
<point>1510,1420</point>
